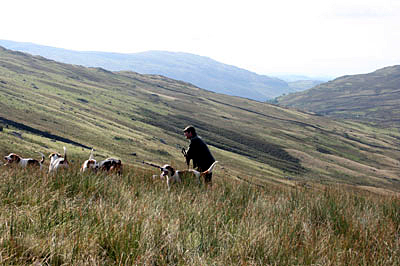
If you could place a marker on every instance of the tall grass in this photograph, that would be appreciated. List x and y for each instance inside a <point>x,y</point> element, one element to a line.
<point>70,219</point>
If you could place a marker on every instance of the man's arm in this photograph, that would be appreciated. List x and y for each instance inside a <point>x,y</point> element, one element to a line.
<point>186,156</point>
<point>190,154</point>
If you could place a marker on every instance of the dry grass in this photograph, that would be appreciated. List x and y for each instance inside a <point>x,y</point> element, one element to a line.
<point>69,219</point>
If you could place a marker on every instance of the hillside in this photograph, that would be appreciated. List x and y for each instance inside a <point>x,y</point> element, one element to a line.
<point>372,97</point>
<point>45,105</point>
<point>201,71</point>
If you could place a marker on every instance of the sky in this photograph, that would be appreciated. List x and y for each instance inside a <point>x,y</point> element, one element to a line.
<point>317,38</point>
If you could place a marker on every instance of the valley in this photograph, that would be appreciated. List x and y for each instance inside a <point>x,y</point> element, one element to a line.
<point>141,117</point>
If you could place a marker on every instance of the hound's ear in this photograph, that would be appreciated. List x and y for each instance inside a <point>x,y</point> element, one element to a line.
<point>170,168</point>
<point>15,157</point>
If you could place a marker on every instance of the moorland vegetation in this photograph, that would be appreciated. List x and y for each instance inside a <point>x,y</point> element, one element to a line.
<point>132,219</point>
<point>46,105</point>
<point>291,188</point>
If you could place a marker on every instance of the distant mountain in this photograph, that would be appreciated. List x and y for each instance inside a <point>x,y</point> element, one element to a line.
<point>201,71</point>
<point>294,78</point>
<point>373,97</point>
<point>301,82</point>
<point>301,85</point>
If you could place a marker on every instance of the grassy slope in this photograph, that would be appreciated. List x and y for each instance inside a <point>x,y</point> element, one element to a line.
<point>372,97</point>
<point>140,117</point>
<point>70,219</point>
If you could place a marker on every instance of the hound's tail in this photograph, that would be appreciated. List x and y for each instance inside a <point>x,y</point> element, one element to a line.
<point>209,170</point>
<point>42,161</point>
<point>152,164</point>
<point>91,155</point>
<point>65,154</point>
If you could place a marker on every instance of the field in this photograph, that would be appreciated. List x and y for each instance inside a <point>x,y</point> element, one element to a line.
<point>291,188</point>
<point>132,219</point>
<point>46,105</point>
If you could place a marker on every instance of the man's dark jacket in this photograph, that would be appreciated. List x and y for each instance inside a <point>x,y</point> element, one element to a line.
<point>200,154</point>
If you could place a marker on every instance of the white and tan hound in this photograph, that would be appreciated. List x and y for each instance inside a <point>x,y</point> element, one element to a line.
<point>174,176</point>
<point>57,161</point>
<point>14,158</point>
<point>89,164</point>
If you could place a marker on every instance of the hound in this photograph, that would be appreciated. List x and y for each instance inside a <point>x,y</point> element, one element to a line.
<point>54,156</point>
<point>56,161</point>
<point>110,165</point>
<point>13,158</point>
<point>89,164</point>
<point>176,176</point>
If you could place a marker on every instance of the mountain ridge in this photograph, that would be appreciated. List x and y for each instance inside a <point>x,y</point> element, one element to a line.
<point>201,71</point>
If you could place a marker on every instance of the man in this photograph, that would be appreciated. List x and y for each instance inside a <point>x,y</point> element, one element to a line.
<point>198,152</point>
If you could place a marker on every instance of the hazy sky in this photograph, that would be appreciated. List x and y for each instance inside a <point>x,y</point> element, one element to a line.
<point>312,37</point>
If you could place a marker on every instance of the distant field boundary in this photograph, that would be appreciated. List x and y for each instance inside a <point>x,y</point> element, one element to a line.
<point>40,132</point>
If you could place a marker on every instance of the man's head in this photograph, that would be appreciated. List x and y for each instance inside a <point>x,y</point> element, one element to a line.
<point>189,132</point>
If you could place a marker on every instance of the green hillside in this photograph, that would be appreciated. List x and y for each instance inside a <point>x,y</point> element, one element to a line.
<point>372,97</point>
<point>45,105</point>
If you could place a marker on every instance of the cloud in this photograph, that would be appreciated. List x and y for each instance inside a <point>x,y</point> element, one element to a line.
<point>362,13</point>
<point>366,10</point>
